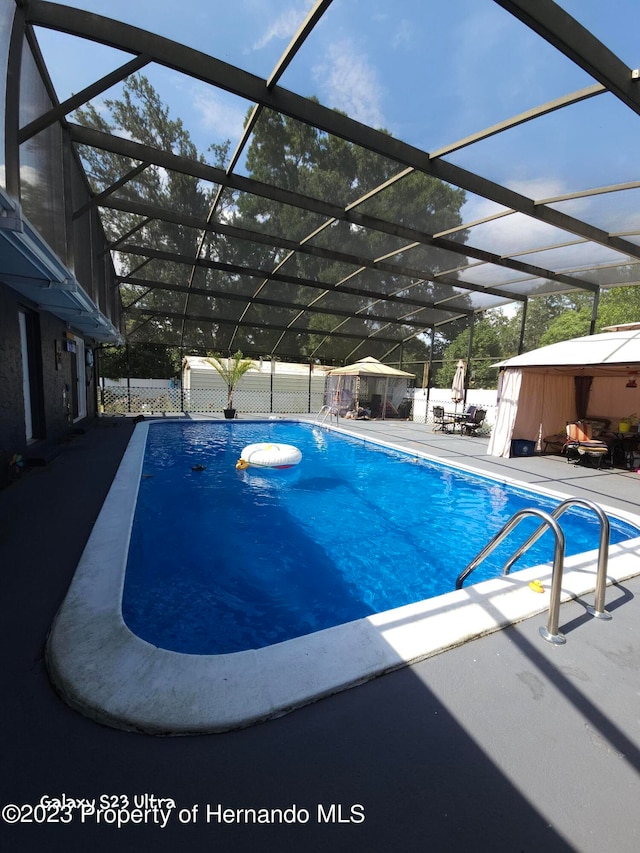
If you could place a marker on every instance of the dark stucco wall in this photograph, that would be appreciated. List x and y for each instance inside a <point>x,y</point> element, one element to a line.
<point>55,382</point>
<point>56,415</point>
<point>11,403</point>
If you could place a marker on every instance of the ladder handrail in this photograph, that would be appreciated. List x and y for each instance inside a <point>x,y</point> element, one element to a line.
<point>550,633</point>
<point>328,411</point>
<point>598,608</point>
<point>515,519</point>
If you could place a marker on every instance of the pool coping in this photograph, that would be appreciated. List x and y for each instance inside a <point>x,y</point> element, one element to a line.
<point>108,673</point>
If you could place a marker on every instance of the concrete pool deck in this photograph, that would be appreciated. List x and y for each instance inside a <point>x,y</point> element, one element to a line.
<point>503,743</point>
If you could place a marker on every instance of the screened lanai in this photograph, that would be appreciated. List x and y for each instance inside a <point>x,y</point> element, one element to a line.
<point>327,180</point>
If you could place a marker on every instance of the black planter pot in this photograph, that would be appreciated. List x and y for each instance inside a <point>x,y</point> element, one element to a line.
<point>229,413</point>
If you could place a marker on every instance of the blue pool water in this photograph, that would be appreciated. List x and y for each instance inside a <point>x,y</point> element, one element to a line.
<point>223,560</point>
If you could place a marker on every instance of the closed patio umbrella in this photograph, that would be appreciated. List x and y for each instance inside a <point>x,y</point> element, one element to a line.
<point>457,386</point>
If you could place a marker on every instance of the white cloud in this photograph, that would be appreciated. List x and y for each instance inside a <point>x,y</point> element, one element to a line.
<point>282,28</point>
<point>404,35</point>
<point>223,119</point>
<point>538,188</point>
<point>515,232</point>
<point>349,83</point>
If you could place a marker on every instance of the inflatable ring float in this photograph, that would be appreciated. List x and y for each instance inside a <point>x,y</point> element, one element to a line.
<point>269,456</point>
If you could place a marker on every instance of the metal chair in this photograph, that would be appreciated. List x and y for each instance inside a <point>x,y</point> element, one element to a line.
<point>439,418</point>
<point>474,421</point>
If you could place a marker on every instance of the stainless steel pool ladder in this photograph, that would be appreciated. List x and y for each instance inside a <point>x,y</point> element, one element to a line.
<point>549,521</point>
<point>324,413</point>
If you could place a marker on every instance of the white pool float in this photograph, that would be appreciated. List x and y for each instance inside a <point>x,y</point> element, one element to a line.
<point>263,455</point>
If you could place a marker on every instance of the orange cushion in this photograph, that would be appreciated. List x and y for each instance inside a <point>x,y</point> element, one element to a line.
<point>579,431</point>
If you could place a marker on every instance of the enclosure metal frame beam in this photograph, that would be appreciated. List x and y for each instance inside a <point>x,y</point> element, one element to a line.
<point>241,83</point>
<point>58,112</point>
<point>305,29</point>
<point>173,162</point>
<point>576,42</point>
<point>201,318</point>
<point>542,16</point>
<point>273,303</point>
<point>205,263</point>
<point>358,261</point>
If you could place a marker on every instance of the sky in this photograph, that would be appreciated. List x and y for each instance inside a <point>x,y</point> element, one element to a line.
<point>429,71</point>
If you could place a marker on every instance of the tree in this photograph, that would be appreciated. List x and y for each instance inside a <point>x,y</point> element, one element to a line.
<point>304,160</point>
<point>571,324</point>
<point>486,351</point>
<point>289,155</point>
<point>140,115</point>
<point>140,361</point>
<point>619,305</point>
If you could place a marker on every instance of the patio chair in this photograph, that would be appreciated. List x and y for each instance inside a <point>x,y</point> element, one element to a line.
<point>554,443</point>
<point>441,421</point>
<point>474,421</point>
<point>376,406</point>
<point>579,447</point>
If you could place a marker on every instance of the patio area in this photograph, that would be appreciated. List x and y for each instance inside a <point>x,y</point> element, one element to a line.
<point>503,743</point>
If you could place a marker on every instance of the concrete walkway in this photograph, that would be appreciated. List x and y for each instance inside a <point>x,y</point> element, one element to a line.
<point>504,743</point>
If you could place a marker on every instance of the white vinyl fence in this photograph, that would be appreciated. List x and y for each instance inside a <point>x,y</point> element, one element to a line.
<point>161,399</point>
<point>482,399</point>
<point>153,397</point>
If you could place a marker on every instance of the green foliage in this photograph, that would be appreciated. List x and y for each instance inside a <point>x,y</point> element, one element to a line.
<point>487,350</point>
<point>231,370</point>
<point>550,319</point>
<point>140,361</point>
<point>296,157</point>
<point>299,158</point>
<point>139,114</point>
<point>572,324</point>
<point>542,311</point>
<point>293,157</point>
<point>619,305</point>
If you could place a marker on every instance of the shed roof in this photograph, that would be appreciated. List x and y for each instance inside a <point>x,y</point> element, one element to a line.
<point>196,362</point>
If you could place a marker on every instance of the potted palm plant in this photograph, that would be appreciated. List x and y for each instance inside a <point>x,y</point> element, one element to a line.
<point>231,370</point>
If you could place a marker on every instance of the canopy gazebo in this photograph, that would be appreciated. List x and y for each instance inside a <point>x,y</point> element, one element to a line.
<point>591,377</point>
<point>368,386</point>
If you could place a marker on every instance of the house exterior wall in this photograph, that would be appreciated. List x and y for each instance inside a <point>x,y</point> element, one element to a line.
<point>12,425</point>
<point>53,383</point>
<point>53,267</point>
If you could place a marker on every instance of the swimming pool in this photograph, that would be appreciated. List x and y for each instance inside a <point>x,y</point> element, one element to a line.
<point>107,672</point>
<point>222,560</point>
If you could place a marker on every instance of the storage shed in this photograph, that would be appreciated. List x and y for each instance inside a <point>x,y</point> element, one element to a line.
<point>270,386</point>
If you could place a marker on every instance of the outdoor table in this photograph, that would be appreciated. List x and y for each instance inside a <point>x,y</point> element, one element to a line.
<point>623,447</point>
<point>456,419</point>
